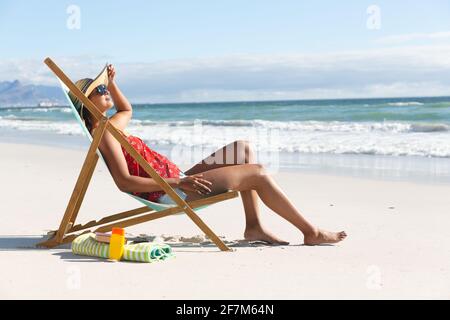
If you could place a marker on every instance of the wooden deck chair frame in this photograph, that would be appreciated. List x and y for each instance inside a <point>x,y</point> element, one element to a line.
<point>68,231</point>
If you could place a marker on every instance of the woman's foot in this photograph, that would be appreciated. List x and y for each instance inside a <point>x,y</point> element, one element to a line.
<point>259,234</point>
<point>322,237</point>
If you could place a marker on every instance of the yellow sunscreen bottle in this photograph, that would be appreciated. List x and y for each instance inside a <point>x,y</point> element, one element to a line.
<point>116,244</point>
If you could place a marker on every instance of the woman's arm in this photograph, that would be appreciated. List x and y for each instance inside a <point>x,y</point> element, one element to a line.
<point>115,161</point>
<point>124,110</point>
<point>192,183</point>
<point>117,165</point>
<point>142,184</point>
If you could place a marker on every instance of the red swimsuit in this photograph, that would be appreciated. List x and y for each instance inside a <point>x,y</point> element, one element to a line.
<point>160,163</point>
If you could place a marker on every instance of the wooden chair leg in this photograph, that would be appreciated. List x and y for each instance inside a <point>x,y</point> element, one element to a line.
<point>167,212</point>
<point>82,181</point>
<point>111,218</point>
<point>206,230</point>
<point>83,190</point>
<point>52,243</point>
<point>137,220</point>
<point>161,214</point>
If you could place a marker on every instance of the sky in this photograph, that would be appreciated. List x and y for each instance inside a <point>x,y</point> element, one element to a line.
<point>188,51</point>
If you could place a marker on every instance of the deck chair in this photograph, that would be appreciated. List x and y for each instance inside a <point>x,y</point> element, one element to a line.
<point>68,231</point>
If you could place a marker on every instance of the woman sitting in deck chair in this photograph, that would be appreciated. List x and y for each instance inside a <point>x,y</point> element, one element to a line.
<point>204,179</point>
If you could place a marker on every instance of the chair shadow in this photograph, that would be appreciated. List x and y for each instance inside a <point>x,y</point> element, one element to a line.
<point>230,245</point>
<point>28,243</point>
<point>68,256</point>
<point>23,243</point>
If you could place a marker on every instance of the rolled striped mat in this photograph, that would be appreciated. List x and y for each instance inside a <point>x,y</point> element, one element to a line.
<point>86,245</point>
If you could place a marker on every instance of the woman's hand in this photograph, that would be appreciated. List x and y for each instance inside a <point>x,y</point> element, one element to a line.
<point>111,73</point>
<point>195,184</point>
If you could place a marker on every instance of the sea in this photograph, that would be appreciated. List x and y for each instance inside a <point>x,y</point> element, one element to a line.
<point>392,138</point>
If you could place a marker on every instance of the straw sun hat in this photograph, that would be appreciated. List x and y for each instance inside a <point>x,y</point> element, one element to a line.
<point>88,85</point>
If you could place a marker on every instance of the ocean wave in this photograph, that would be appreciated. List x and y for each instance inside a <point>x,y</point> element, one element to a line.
<point>371,138</point>
<point>384,138</point>
<point>308,126</point>
<point>219,123</point>
<point>48,109</point>
<point>10,116</point>
<point>38,109</point>
<point>403,104</point>
<point>430,127</point>
<point>296,126</point>
<point>64,128</point>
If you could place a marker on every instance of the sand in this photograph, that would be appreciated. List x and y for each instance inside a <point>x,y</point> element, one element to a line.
<point>397,245</point>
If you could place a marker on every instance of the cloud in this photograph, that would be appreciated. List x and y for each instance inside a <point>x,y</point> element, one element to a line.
<point>32,71</point>
<point>408,37</point>
<point>398,71</point>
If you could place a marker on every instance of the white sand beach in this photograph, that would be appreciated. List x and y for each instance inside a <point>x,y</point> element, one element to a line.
<point>397,245</point>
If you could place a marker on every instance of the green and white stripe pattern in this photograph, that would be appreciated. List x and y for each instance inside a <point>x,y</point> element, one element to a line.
<point>86,245</point>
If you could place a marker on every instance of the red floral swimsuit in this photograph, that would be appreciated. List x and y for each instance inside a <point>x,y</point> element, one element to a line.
<point>160,163</point>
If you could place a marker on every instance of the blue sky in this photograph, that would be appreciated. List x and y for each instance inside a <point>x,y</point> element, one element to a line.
<point>234,50</point>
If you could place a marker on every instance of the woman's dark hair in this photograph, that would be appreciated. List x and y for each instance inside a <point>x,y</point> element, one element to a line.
<point>83,112</point>
<point>86,116</point>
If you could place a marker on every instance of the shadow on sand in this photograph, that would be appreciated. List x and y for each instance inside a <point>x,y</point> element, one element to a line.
<point>28,243</point>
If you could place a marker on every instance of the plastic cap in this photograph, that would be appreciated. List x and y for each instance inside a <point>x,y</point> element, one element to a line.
<point>118,231</point>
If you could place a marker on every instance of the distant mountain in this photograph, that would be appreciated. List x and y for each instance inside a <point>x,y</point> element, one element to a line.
<point>15,94</point>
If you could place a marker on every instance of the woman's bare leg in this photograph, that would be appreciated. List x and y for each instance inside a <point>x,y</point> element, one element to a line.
<point>235,153</point>
<point>254,177</point>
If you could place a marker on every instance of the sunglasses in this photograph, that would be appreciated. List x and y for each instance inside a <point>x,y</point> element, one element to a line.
<point>101,90</point>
